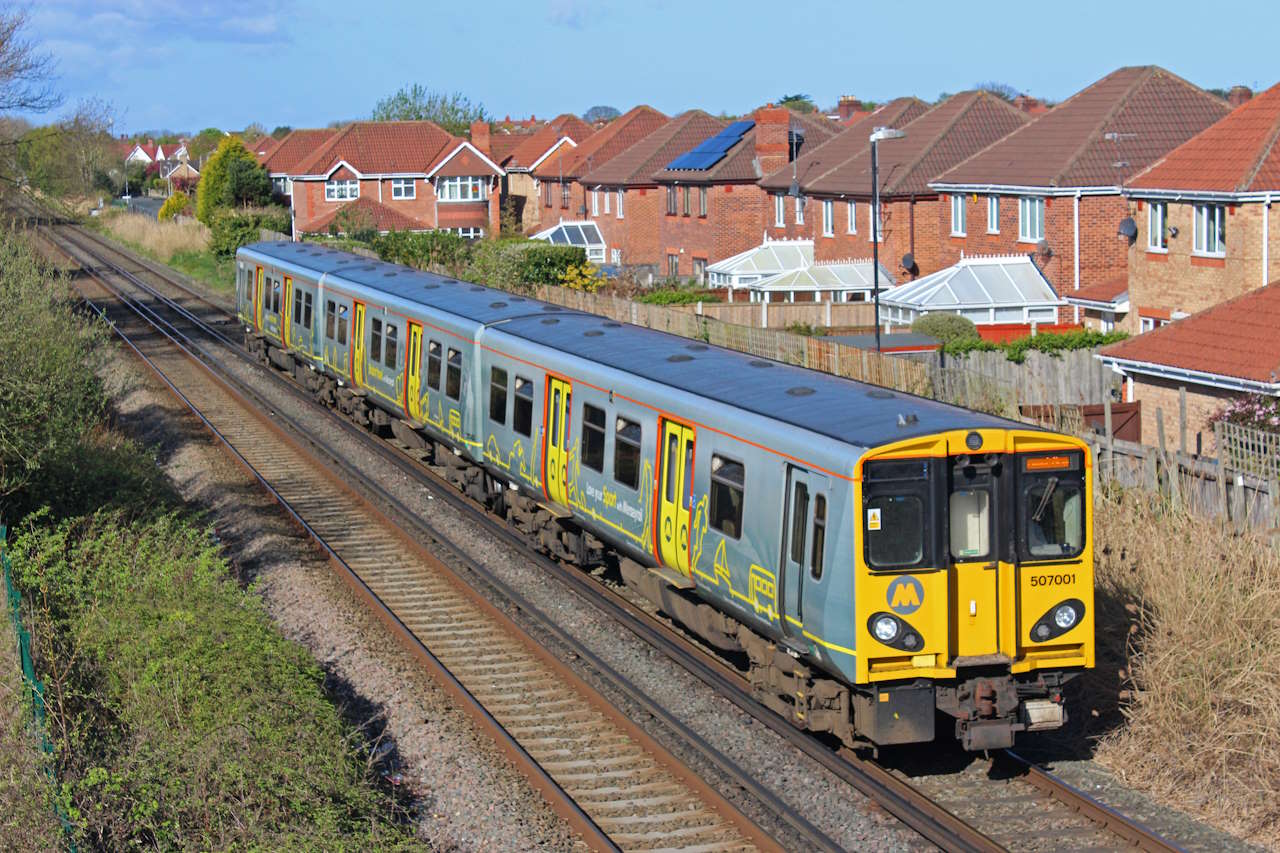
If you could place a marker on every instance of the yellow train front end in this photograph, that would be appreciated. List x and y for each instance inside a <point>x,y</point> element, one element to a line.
<point>974,590</point>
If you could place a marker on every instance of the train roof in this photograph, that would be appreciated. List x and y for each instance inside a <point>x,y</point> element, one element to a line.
<point>846,410</point>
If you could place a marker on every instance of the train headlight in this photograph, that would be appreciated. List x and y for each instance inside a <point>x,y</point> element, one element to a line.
<point>1065,616</point>
<point>1060,619</point>
<point>885,628</point>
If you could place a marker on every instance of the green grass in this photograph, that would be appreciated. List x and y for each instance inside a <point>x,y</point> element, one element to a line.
<point>219,274</point>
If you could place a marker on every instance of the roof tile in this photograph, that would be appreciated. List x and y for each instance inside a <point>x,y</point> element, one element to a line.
<point>382,147</point>
<point>603,145</point>
<point>293,149</point>
<point>740,163</point>
<point>636,165</point>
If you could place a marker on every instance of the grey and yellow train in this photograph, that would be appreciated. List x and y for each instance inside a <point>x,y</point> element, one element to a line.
<point>876,557</point>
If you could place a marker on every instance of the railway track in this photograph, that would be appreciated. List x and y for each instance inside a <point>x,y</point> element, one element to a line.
<point>1001,805</point>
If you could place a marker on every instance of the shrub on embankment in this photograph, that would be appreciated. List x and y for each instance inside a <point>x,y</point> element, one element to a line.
<point>1194,605</point>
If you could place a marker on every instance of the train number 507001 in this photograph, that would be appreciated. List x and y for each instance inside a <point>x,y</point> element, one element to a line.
<point>1053,580</point>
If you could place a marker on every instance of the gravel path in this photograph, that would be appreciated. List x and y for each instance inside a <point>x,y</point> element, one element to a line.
<point>469,797</point>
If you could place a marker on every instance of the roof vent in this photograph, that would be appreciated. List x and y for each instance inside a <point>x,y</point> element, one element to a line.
<point>549,321</point>
<point>430,287</point>
<point>755,362</point>
<point>592,333</point>
<point>389,274</point>
<point>515,299</point>
<point>907,420</point>
<point>679,357</point>
<point>497,305</point>
<point>697,347</point>
<point>612,325</point>
<point>880,394</point>
<point>477,289</point>
<point>551,308</point>
<point>800,391</point>
<point>450,280</point>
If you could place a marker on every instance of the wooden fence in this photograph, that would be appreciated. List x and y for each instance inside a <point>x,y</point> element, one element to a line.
<point>780,315</point>
<point>1075,377</point>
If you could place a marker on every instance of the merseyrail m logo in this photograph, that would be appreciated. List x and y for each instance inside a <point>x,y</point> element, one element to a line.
<point>905,595</point>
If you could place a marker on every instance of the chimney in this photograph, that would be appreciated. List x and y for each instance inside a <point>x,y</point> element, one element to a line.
<point>480,136</point>
<point>772,124</point>
<point>847,106</point>
<point>1239,95</point>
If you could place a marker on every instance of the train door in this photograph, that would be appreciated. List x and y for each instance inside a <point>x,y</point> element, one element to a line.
<point>357,347</point>
<point>675,495</point>
<point>258,296</point>
<point>337,319</point>
<point>413,373</point>
<point>286,312</point>
<point>803,542</point>
<point>559,400</point>
<point>975,567</point>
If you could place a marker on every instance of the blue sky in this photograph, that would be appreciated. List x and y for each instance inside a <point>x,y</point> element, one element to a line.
<point>193,63</point>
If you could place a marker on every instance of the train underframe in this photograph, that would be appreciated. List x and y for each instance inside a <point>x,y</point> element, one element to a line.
<point>989,705</point>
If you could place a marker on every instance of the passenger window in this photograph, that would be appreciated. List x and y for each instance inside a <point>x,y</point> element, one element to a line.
<point>522,414</point>
<point>593,421</point>
<point>970,524</point>
<point>555,417</point>
<point>391,351</point>
<point>687,498</point>
<point>375,339</point>
<point>342,325</point>
<point>306,310</point>
<point>819,536</point>
<point>895,530</point>
<point>799,517</point>
<point>453,375</point>
<point>498,395</point>
<point>297,305</point>
<point>433,365</point>
<point>275,296</point>
<point>330,320</point>
<point>266,294</point>
<point>626,453</point>
<point>727,478</point>
<point>673,451</point>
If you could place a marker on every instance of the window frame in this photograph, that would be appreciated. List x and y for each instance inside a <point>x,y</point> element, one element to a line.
<point>404,189</point>
<point>619,205</point>
<point>800,210</point>
<point>851,211</point>
<point>390,345</point>
<point>621,442</point>
<point>331,189</point>
<point>957,215</point>
<point>993,214</point>
<point>1073,477</point>
<point>1158,227</point>
<point>595,202</point>
<point>564,196</point>
<point>672,203</point>
<point>330,320</point>
<point>702,202</point>
<point>1201,217</point>
<point>494,386</point>
<point>828,218</point>
<point>453,374</point>
<point>875,233</point>
<point>435,362</point>
<point>522,404</point>
<point>685,207</point>
<point>344,324</point>
<point>673,266</point>
<point>590,451</point>
<point>375,339</point>
<point>718,479</point>
<point>779,211</point>
<point>900,479</point>
<point>608,196</point>
<point>459,189</point>
<point>818,538</point>
<point>1027,205</point>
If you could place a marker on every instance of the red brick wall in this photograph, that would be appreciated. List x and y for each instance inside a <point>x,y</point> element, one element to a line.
<point>1161,283</point>
<point>636,233</point>
<point>309,205</point>
<point>896,238</point>
<point>1102,254</point>
<point>732,225</point>
<point>1202,402</point>
<point>790,228</point>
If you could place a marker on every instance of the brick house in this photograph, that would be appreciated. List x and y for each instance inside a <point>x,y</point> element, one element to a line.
<point>834,181</point>
<point>281,158</point>
<point>1202,217</point>
<point>1053,186</point>
<point>714,208</point>
<point>1216,355</point>
<point>562,195</point>
<point>519,153</point>
<point>403,172</point>
<point>624,198</point>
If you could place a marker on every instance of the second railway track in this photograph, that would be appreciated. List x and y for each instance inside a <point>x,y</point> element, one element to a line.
<point>1062,812</point>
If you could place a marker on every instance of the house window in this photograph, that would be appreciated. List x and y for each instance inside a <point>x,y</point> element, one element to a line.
<point>993,214</point>
<point>957,216</point>
<point>1030,219</point>
<point>779,213</point>
<point>615,256</point>
<point>702,202</point>
<point>1157,233</point>
<point>282,186</point>
<point>685,206</point>
<point>468,233</point>
<point>852,227</point>
<point>673,266</point>
<point>828,217</point>
<point>700,269</point>
<point>546,193</point>
<point>619,204</point>
<point>595,202</point>
<point>799,210</point>
<point>671,201</point>
<point>462,188</point>
<point>345,190</point>
<point>404,188</point>
<point>608,196</point>
<point>564,196</point>
<point>1210,230</point>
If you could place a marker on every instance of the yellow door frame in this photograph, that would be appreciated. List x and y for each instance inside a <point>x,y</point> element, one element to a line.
<point>257,299</point>
<point>357,345</point>
<point>559,405</point>
<point>674,501</point>
<point>286,313</point>
<point>413,373</point>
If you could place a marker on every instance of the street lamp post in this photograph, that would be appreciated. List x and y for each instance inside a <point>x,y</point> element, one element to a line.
<point>878,134</point>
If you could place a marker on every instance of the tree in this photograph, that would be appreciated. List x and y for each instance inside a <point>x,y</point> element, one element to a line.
<point>225,185</point>
<point>255,130</point>
<point>25,72</point>
<point>69,157</point>
<point>453,111</point>
<point>1001,90</point>
<point>798,102</point>
<point>173,205</point>
<point>204,142</point>
<point>600,113</point>
<point>281,131</point>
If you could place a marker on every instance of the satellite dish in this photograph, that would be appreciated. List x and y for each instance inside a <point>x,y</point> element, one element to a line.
<point>1128,230</point>
<point>909,264</point>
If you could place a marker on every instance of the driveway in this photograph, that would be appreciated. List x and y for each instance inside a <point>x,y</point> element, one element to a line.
<point>148,206</point>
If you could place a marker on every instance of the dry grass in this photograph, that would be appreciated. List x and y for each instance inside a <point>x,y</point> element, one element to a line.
<point>1201,605</point>
<point>159,239</point>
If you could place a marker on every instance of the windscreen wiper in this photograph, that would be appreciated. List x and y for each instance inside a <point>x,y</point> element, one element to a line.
<point>1044,501</point>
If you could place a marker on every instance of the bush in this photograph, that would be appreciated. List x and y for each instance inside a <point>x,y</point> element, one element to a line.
<point>582,276</point>
<point>678,295</point>
<point>1047,342</point>
<point>173,205</point>
<point>180,718</point>
<point>424,250</point>
<point>232,229</point>
<point>223,184</point>
<point>945,327</point>
<point>544,263</point>
<point>1257,411</point>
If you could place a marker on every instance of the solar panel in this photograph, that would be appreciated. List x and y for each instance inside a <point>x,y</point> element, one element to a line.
<point>718,144</point>
<point>738,128</point>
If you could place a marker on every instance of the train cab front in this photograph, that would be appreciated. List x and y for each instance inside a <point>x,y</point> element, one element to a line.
<point>975,584</point>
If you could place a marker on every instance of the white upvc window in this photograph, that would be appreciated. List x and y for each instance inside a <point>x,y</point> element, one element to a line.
<point>469,233</point>
<point>1211,230</point>
<point>1030,219</point>
<point>799,210</point>
<point>1157,226</point>
<point>595,202</point>
<point>993,214</point>
<point>404,188</point>
<point>608,198</point>
<point>619,203</point>
<point>779,212</point>
<point>615,256</point>
<point>828,217</point>
<point>462,188</point>
<point>957,216</point>
<point>343,190</point>
<point>853,218</point>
